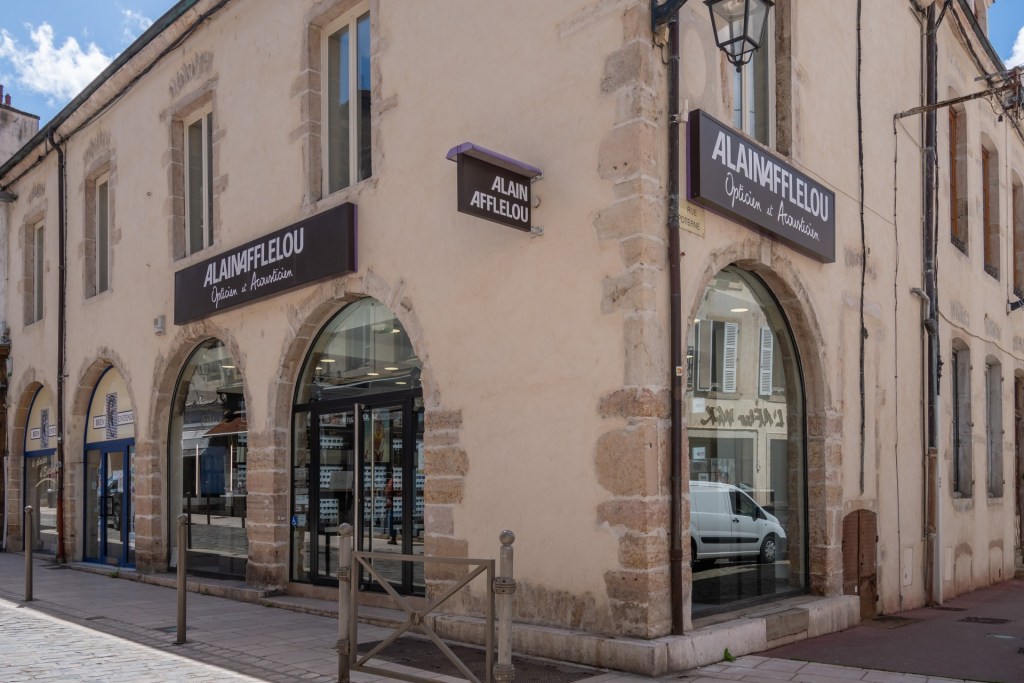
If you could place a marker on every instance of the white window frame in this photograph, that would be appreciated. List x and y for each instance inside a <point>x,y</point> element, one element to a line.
<point>204,117</point>
<point>102,259</point>
<point>38,267</point>
<point>745,76</point>
<point>350,21</point>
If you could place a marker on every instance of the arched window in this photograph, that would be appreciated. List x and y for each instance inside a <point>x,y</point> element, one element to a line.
<point>208,461</point>
<point>748,514</point>
<point>358,447</point>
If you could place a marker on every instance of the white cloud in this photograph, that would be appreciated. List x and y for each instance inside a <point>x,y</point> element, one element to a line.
<point>133,24</point>
<point>57,73</point>
<point>1017,58</point>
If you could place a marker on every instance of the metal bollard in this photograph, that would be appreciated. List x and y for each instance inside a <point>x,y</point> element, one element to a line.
<point>344,601</point>
<point>182,582</point>
<point>27,535</point>
<point>504,592</point>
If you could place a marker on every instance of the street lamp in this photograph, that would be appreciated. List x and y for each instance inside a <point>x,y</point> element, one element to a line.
<point>739,25</point>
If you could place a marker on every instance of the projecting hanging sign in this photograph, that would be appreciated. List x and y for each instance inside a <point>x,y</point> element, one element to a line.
<point>493,186</point>
<point>735,177</point>
<point>321,246</point>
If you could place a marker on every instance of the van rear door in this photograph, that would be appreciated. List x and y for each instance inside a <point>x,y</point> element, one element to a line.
<point>713,516</point>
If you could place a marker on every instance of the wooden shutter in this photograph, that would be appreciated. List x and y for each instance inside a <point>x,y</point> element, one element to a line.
<point>729,357</point>
<point>764,376</point>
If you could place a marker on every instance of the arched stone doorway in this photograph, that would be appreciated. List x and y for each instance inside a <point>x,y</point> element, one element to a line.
<point>357,454</point>
<point>208,462</point>
<point>109,474</point>
<point>746,447</point>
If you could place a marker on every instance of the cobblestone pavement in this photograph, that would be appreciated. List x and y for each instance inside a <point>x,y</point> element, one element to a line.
<point>37,647</point>
<point>84,626</point>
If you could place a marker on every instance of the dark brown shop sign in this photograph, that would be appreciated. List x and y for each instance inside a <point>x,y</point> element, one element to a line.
<point>734,176</point>
<point>493,186</point>
<point>318,247</point>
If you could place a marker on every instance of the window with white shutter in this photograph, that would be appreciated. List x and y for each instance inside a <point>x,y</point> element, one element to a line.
<point>765,374</point>
<point>731,331</point>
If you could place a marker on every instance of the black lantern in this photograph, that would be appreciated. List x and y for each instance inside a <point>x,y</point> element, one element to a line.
<point>739,26</point>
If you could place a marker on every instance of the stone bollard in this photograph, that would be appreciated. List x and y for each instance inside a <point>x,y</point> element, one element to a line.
<point>182,580</point>
<point>27,536</point>
<point>504,592</point>
<point>344,602</point>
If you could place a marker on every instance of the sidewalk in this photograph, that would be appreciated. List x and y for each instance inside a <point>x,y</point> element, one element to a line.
<point>297,642</point>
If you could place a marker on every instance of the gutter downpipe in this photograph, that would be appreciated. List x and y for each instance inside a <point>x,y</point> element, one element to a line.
<point>61,333</point>
<point>676,333</point>
<point>933,568</point>
<point>5,198</point>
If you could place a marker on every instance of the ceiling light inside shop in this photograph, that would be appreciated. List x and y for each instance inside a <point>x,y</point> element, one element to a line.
<point>738,310</point>
<point>402,383</point>
<point>373,374</point>
<point>395,330</point>
<point>326,360</point>
<point>391,368</point>
<point>228,367</point>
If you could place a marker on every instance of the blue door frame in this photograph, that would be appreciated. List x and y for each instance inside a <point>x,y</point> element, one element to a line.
<point>109,518</point>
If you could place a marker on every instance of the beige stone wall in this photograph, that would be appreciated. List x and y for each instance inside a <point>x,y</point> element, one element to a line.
<point>545,359</point>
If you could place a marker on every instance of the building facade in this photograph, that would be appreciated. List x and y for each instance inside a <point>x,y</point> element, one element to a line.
<point>241,290</point>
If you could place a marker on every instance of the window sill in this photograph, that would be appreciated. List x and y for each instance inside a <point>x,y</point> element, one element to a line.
<point>352,193</point>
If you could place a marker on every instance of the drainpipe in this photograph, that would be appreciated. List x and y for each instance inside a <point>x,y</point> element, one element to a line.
<point>933,565</point>
<point>5,198</point>
<point>676,333</point>
<point>61,333</point>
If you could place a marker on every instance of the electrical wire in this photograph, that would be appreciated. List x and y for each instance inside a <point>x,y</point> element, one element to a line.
<point>863,242</point>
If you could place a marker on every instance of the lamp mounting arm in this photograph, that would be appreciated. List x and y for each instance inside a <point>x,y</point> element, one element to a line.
<point>663,13</point>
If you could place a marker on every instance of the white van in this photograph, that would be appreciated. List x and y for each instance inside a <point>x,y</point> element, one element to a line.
<point>726,523</point>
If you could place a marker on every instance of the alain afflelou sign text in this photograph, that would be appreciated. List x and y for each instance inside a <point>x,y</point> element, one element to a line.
<point>735,177</point>
<point>318,247</point>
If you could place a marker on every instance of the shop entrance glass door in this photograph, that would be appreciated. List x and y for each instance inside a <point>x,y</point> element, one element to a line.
<point>367,490</point>
<point>391,480</point>
<point>332,488</point>
<point>110,501</point>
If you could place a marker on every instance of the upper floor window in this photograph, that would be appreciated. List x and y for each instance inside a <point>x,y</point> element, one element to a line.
<point>346,115</point>
<point>97,235</point>
<point>753,92</point>
<point>990,209</point>
<point>33,269</point>
<point>994,427</point>
<point>199,180</point>
<point>103,234</point>
<point>958,178</point>
<point>1017,212</point>
<point>963,478</point>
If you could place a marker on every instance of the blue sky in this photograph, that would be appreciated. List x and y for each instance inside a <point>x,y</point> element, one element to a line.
<point>51,49</point>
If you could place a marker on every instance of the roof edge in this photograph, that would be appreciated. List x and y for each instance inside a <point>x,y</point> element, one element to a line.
<point>155,29</point>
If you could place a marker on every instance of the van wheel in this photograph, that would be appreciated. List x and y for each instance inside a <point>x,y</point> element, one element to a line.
<point>769,549</point>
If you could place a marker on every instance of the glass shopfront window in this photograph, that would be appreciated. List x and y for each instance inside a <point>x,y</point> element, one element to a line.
<point>358,449</point>
<point>41,472</point>
<point>209,463</point>
<point>746,447</point>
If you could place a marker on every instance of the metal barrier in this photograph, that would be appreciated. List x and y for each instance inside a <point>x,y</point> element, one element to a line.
<point>501,589</point>
<point>182,577</point>
<point>28,534</point>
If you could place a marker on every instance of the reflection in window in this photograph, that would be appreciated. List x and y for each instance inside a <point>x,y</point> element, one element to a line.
<point>746,445</point>
<point>209,446</point>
